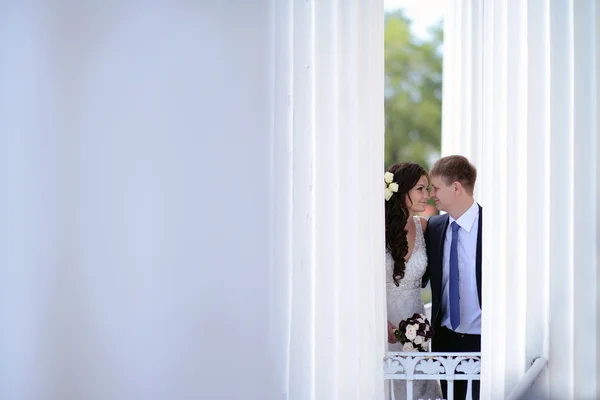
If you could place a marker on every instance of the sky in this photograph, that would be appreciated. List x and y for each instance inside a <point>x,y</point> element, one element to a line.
<point>423,13</point>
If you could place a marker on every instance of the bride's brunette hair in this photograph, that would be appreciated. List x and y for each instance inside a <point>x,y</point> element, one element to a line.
<point>406,175</point>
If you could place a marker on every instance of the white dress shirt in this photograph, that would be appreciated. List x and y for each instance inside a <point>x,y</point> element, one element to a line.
<point>470,311</point>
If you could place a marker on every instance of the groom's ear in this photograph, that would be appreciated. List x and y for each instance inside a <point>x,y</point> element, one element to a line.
<point>458,187</point>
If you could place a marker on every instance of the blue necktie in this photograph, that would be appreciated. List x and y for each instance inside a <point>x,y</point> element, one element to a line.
<point>454,294</point>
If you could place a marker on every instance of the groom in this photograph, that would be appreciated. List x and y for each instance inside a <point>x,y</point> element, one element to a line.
<point>454,270</point>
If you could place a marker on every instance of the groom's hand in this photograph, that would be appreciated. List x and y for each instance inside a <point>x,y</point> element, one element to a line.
<point>391,337</point>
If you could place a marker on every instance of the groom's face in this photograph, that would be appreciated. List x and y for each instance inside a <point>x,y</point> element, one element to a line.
<point>442,194</point>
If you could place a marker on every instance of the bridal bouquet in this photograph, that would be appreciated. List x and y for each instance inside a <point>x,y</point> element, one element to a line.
<point>414,333</point>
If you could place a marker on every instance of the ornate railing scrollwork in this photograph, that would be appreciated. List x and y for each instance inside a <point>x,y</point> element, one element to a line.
<point>409,366</point>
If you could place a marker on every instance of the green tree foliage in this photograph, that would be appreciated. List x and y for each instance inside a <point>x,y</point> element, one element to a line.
<point>413,92</point>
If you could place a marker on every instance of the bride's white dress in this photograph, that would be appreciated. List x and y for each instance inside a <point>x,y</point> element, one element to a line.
<point>402,302</point>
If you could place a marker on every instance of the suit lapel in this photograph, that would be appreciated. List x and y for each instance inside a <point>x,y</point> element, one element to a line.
<point>479,255</point>
<point>443,227</point>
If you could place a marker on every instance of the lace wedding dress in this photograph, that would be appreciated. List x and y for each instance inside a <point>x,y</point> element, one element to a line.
<point>402,302</point>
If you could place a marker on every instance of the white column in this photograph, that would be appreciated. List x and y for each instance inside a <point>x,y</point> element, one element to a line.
<point>462,75</point>
<point>585,73</point>
<point>135,195</point>
<point>191,200</point>
<point>328,163</point>
<point>597,54</point>
<point>537,162</point>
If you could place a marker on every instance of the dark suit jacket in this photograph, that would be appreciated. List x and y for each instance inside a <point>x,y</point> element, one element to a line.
<point>434,239</point>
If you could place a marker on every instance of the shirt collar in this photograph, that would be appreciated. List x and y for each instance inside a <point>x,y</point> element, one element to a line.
<point>467,220</point>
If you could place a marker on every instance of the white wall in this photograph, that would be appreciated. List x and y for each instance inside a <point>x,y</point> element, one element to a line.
<point>134,148</point>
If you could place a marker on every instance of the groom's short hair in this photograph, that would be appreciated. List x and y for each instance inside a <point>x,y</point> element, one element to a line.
<point>456,169</point>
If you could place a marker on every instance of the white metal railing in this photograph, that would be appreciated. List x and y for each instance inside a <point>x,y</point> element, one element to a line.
<point>537,366</point>
<point>412,366</point>
<point>428,311</point>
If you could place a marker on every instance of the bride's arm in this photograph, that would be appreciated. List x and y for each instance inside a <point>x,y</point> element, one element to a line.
<point>391,337</point>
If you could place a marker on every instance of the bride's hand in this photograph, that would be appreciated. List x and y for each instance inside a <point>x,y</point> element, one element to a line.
<point>391,337</point>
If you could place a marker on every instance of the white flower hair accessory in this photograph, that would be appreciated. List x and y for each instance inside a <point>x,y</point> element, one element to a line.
<point>391,187</point>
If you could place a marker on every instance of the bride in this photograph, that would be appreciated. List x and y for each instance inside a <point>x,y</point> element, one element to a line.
<point>406,259</point>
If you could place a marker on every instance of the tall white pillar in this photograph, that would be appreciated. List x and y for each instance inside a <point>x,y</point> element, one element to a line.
<point>191,200</point>
<point>597,54</point>
<point>328,162</point>
<point>533,139</point>
<point>134,141</point>
<point>462,74</point>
